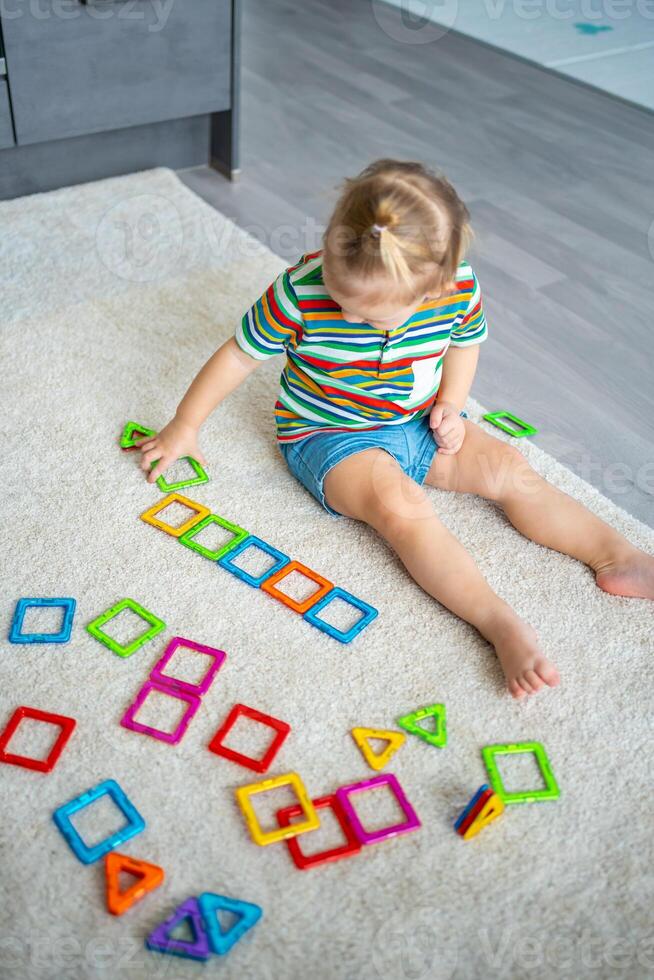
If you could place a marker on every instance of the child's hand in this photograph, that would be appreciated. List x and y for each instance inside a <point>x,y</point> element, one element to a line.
<point>175,440</point>
<point>447,428</point>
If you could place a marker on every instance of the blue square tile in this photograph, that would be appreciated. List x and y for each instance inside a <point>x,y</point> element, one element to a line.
<point>17,636</point>
<point>344,636</point>
<point>135,822</point>
<point>253,542</point>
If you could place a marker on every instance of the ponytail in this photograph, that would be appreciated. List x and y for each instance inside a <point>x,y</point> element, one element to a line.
<point>401,221</point>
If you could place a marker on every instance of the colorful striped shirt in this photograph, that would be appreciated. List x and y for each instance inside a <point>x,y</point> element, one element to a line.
<point>341,376</point>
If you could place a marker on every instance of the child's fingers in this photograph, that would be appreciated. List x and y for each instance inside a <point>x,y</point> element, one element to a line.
<point>146,443</point>
<point>448,425</point>
<point>150,457</point>
<point>161,466</point>
<point>436,416</point>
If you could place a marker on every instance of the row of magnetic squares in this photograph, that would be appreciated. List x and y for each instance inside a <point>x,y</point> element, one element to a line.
<point>241,540</point>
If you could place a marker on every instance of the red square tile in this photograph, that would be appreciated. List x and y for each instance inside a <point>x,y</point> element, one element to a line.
<point>280,728</point>
<point>302,861</point>
<point>66,726</point>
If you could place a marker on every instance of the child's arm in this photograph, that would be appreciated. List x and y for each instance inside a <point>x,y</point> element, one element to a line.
<point>459,367</point>
<point>221,375</point>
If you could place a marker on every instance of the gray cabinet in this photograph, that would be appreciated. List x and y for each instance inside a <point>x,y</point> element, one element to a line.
<point>104,87</point>
<point>108,65</point>
<point>6,129</point>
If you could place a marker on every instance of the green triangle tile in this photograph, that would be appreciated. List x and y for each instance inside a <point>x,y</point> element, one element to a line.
<point>412,723</point>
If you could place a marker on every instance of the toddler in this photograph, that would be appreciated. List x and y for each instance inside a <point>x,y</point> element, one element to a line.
<point>381,331</point>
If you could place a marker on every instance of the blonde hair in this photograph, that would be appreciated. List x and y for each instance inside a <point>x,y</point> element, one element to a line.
<point>401,221</point>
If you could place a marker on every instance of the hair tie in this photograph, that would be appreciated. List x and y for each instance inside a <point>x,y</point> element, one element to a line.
<point>377,229</point>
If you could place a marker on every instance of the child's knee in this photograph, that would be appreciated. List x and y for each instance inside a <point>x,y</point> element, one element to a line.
<point>394,508</point>
<point>510,473</point>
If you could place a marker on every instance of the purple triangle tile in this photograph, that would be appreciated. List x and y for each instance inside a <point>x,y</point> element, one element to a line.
<point>160,940</point>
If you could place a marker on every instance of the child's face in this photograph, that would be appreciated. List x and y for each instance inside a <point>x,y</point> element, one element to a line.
<point>368,306</point>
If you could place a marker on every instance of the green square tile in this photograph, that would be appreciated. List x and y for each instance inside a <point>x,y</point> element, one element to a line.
<point>188,536</point>
<point>551,790</point>
<point>193,481</point>
<point>95,628</point>
<point>518,430</point>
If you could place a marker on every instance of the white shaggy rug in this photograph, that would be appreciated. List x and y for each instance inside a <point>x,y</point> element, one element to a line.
<point>113,296</point>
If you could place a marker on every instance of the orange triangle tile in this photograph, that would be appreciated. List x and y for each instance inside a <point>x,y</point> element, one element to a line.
<point>148,877</point>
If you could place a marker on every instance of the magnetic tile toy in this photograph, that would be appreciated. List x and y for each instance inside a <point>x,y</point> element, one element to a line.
<point>302,861</point>
<point>62,636</point>
<point>345,636</point>
<point>65,725</point>
<point>280,728</point>
<point>483,808</point>
<point>377,760</point>
<point>87,855</point>
<point>199,513</point>
<point>125,650</point>
<point>247,915</point>
<point>550,791</point>
<point>129,718</point>
<point>475,804</point>
<point>201,476</point>
<point>148,877</point>
<point>198,948</point>
<point>518,429</point>
<point>131,433</point>
<point>412,723</point>
<point>227,561</point>
<point>371,837</point>
<point>269,585</point>
<point>188,538</point>
<point>261,837</point>
<point>178,642</point>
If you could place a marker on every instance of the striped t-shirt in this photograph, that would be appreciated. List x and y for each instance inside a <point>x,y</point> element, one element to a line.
<point>342,376</point>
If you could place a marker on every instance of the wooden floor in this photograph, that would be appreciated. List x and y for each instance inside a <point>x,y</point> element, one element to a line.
<point>558,179</point>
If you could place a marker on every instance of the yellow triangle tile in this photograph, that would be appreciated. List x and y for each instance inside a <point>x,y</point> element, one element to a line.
<point>377,760</point>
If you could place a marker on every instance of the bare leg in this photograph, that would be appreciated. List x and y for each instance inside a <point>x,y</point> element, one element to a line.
<point>371,487</point>
<point>498,471</point>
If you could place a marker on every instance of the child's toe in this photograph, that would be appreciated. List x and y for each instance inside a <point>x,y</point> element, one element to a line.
<point>515,690</point>
<point>534,680</point>
<point>548,673</point>
<point>524,683</point>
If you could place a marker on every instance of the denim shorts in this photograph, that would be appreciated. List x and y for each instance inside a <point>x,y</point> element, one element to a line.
<point>410,443</point>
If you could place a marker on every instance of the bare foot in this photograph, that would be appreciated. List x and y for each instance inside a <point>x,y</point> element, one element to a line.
<point>632,574</point>
<point>525,666</point>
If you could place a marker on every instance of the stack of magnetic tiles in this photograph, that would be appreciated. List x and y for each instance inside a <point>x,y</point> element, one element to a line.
<point>241,541</point>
